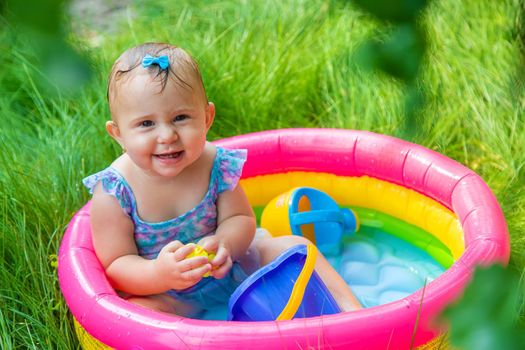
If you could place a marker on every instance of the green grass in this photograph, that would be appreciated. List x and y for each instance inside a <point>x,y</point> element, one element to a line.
<point>266,65</point>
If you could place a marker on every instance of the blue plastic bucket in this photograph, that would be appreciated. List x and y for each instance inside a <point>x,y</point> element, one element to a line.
<point>264,294</point>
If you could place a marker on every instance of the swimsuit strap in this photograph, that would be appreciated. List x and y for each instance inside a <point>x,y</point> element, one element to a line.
<point>113,183</point>
<point>229,165</point>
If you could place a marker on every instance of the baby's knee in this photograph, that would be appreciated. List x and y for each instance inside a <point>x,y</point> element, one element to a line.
<point>292,240</point>
<point>271,247</point>
<point>281,242</point>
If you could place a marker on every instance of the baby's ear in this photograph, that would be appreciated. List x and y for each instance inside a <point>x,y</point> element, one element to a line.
<point>114,132</point>
<point>210,115</point>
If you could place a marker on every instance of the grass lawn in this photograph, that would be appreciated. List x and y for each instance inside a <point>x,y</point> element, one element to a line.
<point>266,65</point>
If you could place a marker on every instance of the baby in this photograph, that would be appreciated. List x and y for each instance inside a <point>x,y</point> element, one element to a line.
<point>171,189</point>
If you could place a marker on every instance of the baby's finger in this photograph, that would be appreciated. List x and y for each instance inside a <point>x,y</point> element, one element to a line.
<point>222,270</point>
<point>183,251</point>
<point>195,275</point>
<point>221,256</point>
<point>192,263</point>
<point>173,246</point>
<point>209,244</point>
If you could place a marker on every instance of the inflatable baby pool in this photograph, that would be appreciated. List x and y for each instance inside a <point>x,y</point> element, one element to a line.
<point>361,169</point>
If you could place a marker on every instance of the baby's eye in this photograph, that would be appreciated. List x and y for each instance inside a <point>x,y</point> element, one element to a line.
<point>146,123</point>
<point>181,117</point>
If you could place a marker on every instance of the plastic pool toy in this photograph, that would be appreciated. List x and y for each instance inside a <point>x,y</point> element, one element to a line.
<point>312,211</point>
<point>461,219</point>
<point>286,288</point>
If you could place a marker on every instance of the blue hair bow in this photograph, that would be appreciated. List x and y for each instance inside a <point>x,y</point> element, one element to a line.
<point>161,61</point>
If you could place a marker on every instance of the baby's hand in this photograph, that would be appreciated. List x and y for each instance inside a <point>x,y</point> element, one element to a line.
<point>177,272</point>
<point>222,262</point>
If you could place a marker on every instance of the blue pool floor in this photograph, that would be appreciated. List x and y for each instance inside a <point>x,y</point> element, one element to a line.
<point>381,268</point>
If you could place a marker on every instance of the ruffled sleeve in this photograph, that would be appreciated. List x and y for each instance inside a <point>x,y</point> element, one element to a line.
<point>113,184</point>
<point>230,164</point>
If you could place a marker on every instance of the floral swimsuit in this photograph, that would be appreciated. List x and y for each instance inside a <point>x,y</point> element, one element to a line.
<point>191,226</point>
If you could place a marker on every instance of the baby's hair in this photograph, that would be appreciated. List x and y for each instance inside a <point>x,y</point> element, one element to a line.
<point>181,66</point>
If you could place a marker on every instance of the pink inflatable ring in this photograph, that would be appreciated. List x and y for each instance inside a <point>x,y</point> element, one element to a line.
<point>347,153</point>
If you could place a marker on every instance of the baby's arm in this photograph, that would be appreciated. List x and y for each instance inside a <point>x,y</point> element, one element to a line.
<point>113,240</point>
<point>235,230</point>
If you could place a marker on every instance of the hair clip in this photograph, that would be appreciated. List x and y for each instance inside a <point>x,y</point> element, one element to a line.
<point>161,61</point>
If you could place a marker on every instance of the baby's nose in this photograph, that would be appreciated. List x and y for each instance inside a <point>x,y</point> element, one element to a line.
<point>167,134</point>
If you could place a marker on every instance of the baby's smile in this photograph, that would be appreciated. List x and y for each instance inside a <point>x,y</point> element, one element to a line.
<point>170,155</point>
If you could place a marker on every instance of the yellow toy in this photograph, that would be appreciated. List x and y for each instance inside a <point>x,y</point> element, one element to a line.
<point>199,251</point>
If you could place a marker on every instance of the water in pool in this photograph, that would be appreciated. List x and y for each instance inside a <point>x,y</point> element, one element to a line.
<point>378,266</point>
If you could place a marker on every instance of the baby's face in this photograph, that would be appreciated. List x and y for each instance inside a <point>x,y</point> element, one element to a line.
<point>162,132</point>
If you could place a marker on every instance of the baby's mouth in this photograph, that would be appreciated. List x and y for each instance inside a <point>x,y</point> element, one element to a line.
<point>172,155</point>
